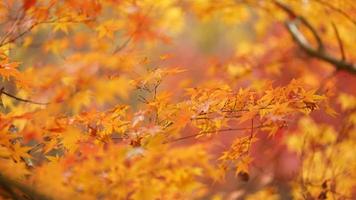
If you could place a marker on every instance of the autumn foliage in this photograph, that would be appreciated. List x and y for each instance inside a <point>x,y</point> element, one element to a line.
<point>177,99</point>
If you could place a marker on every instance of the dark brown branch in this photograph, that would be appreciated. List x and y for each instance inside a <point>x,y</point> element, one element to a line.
<point>122,46</point>
<point>6,41</point>
<point>13,39</point>
<point>300,40</point>
<point>251,137</point>
<point>294,16</point>
<point>28,191</point>
<point>319,53</point>
<point>205,132</point>
<point>339,41</point>
<point>9,190</point>
<point>2,91</point>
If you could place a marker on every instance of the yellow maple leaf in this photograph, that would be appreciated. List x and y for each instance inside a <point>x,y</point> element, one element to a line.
<point>19,152</point>
<point>61,26</point>
<point>70,139</point>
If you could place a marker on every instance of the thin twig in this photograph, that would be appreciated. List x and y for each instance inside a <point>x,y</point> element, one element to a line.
<point>339,41</point>
<point>2,91</point>
<point>122,46</point>
<point>250,138</point>
<point>205,132</point>
<point>326,3</point>
<point>13,39</point>
<point>298,37</point>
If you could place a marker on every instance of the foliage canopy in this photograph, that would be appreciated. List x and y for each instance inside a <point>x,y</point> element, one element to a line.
<point>177,99</point>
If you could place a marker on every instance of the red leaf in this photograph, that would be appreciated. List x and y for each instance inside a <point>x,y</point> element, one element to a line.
<point>27,4</point>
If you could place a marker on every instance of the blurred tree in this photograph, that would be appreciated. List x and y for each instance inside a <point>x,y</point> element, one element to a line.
<point>177,99</point>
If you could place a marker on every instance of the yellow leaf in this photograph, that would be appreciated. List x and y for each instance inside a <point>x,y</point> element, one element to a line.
<point>347,101</point>
<point>237,71</point>
<point>19,152</point>
<point>61,26</point>
<point>248,115</point>
<point>70,139</point>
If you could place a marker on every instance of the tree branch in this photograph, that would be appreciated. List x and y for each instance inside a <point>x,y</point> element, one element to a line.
<point>33,194</point>
<point>339,41</point>
<point>221,130</point>
<point>2,91</point>
<point>319,52</point>
<point>294,16</point>
<point>7,39</point>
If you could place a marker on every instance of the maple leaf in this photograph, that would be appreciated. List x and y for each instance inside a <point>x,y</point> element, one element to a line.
<point>50,145</point>
<point>70,139</point>
<point>8,69</point>
<point>61,26</point>
<point>107,28</point>
<point>19,152</point>
<point>99,137</point>
<point>248,115</point>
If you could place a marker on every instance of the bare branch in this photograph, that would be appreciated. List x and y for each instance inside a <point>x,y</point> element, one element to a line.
<point>294,16</point>
<point>8,39</point>
<point>221,130</point>
<point>299,39</point>
<point>122,46</point>
<point>28,191</point>
<point>339,41</point>
<point>13,39</point>
<point>319,53</point>
<point>2,91</point>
